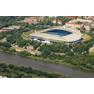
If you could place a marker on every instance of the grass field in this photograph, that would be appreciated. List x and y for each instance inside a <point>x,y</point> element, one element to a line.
<point>86,37</point>
<point>26,35</point>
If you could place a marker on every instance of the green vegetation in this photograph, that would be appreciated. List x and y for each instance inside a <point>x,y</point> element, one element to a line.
<point>26,35</point>
<point>24,53</point>
<point>75,54</point>
<point>13,71</point>
<point>6,21</point>
<point>86,37</point>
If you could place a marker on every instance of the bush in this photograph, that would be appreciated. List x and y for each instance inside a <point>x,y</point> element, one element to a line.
<point>24,53</point>
<point>19,72</point>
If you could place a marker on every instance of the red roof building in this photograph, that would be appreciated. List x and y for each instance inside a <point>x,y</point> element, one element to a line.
<point>73,25</point>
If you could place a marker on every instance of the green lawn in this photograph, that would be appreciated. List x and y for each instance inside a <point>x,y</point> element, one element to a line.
<point>26,35</point>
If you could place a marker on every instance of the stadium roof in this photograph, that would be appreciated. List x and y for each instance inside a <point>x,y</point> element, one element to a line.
<point>74,36</point>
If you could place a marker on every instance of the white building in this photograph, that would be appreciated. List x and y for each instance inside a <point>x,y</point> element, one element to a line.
<point>74,35</point>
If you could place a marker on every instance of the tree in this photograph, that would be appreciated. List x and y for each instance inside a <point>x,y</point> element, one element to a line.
<point>21,42</point>
<point>24,53</point>
<point>11,39</point>
<point>6,44</point>
<point>46,52</point>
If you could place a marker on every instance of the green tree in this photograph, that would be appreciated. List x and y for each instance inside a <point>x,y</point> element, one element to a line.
<point>24,53</point>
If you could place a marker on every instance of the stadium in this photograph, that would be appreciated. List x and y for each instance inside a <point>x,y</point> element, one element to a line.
<point>56,34</point>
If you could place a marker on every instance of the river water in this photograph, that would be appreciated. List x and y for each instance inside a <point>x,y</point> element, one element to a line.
<point>47,67</point>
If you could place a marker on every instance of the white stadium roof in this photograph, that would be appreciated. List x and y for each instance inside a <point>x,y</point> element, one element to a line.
<point>75,36</point>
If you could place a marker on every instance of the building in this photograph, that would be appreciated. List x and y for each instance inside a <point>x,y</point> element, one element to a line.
<point>71,35</point>
<point>30,20</point>
<point>33,19</point>
<point>9,29</point>
<point>71,17</point>
<point>79,23</point>
<point>56,21</point>
<point>73,25</point>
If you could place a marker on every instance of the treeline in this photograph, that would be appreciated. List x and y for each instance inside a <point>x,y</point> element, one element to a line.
<point>74,54</point>
<point>9,20</point>
<point>13,71</point>
<point>14,37</point>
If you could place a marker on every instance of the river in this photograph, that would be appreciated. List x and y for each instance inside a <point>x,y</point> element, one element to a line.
<point>47,67</point>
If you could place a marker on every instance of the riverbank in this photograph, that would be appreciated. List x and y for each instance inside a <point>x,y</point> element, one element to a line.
<point>47,60</point>
<point>45,67</point>
<point>12,71</point>
<point>38,58</point>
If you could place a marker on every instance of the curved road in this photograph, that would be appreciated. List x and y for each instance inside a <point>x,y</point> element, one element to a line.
<point>48,67</point>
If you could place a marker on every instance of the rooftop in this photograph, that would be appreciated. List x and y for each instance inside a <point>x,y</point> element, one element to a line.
<point>76,35</point>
